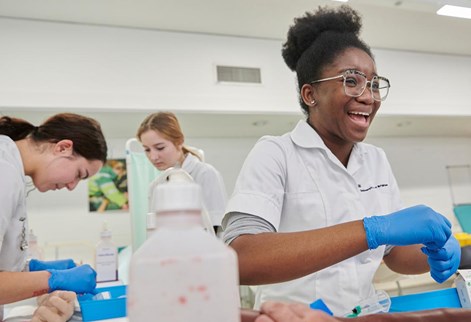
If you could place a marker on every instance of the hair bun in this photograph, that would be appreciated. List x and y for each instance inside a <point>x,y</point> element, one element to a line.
<point>308,28</point>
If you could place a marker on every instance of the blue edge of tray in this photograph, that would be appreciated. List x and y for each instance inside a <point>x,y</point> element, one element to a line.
<point>114,307</point>
<point>446,298</point>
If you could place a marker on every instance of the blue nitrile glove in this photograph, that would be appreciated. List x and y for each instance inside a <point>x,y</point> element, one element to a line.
<point>414,225</point>
<point>37,265</point>
<point>444,261</point>
<point>80,279</point>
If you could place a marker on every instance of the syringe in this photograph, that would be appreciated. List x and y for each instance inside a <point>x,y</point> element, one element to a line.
<point>379,303</point>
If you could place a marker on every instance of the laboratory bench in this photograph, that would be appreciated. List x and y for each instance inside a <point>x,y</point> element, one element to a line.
<point>425,301</point>
<point>432,302</point>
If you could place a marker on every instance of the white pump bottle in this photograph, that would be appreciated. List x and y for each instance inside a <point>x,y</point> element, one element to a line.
<point>182,273</point>
<point>162,178</point>
<point>106,257</point>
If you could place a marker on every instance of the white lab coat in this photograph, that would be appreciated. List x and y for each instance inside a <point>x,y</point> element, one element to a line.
<point>12,208</point>
<point>296,183</point>
<point>212,186</point>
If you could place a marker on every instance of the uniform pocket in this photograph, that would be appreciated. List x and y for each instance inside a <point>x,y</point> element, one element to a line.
<point>303,211</point>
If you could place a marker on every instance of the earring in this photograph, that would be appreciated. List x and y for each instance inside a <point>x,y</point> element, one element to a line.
<point>313,103</point>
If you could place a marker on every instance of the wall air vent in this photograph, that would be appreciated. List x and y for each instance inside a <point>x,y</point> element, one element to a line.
<point>232,74</point>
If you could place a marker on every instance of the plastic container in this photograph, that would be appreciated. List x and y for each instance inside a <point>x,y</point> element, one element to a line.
<point>463,238</point>
<point>182,273</point>
<point>320,305</point>
<point>34,251</point>
<point>106,257</point>
<point>151,216</point>
<point>99,309</point>
<point>150,224</point>
<point>447,298</point>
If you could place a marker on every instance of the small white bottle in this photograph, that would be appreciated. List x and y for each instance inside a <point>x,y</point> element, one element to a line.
<point>106,257</point>
<point>182,273</point>
<point>34,251</point>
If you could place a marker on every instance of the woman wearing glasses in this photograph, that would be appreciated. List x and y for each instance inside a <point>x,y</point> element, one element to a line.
<point>315,211</point>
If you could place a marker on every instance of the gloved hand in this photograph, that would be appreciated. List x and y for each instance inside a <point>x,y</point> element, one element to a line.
<point>414,225</point>
<point>80,279</point>
<point>444,261</point>
<point>37,265</point>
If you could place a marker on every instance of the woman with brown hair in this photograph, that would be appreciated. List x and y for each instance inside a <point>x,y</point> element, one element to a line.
<point>59,153</point>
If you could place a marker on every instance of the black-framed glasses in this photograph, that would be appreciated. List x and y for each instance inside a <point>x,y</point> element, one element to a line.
<point>354,84</point>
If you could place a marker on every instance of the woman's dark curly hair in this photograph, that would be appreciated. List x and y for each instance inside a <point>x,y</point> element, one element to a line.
<point>316,39</point>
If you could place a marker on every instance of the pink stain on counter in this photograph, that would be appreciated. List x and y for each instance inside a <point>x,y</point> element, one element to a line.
<point>182,300</point>
<point>197,259</point>
<point>168,261</point>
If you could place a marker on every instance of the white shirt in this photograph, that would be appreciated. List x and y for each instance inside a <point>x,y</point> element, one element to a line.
<point>12,208</point>
<point>296,183</point>
<point>212,186</point>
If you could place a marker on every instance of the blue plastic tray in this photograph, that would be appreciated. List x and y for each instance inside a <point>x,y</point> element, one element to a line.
<point>447,298</point>
<point>114,307</point>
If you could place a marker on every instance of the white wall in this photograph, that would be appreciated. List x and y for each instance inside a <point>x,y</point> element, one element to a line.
<point>57,67</point>
<point>64,65</point>
<point>419,164</point>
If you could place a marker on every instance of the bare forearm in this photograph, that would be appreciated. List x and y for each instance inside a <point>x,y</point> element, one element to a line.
<point>407,260</point>
<point>277,257</point>
<point>17,286</point>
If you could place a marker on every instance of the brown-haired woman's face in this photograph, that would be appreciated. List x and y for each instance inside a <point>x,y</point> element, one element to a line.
<point>61,168</point>
<point>162,153</point>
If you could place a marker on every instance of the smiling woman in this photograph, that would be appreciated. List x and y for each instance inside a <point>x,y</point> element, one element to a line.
<point>317,203</point>
<point>59,153</point>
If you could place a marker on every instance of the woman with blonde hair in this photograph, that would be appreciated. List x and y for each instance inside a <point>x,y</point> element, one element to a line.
<point>163,141</point>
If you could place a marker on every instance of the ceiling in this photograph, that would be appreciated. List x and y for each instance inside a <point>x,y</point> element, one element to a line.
<point>391,24</point>
<point>394,24</point>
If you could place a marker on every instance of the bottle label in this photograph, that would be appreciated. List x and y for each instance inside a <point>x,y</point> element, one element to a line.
<point>106,264</point>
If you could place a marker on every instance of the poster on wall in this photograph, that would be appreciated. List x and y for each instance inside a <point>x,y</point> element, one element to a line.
<point>108,189</point>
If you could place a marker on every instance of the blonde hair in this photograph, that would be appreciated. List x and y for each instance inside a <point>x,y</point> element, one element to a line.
<point>166,123</point>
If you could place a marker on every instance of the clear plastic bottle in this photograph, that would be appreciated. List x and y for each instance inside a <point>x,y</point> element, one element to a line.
<point>34,251</point>
<point>182,273</point>
<point>106,257</point>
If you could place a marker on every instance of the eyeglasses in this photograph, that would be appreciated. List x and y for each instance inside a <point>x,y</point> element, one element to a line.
<point>354,84</point>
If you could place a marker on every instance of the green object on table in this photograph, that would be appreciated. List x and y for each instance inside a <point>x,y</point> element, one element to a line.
<point>355,312</point>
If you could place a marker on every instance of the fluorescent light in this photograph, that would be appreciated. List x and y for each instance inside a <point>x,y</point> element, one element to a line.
<point>455,11</point>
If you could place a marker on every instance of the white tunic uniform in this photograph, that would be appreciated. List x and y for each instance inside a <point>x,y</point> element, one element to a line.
<point>212,186</point>
<point>13,222</point>
<point>296,183</point>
